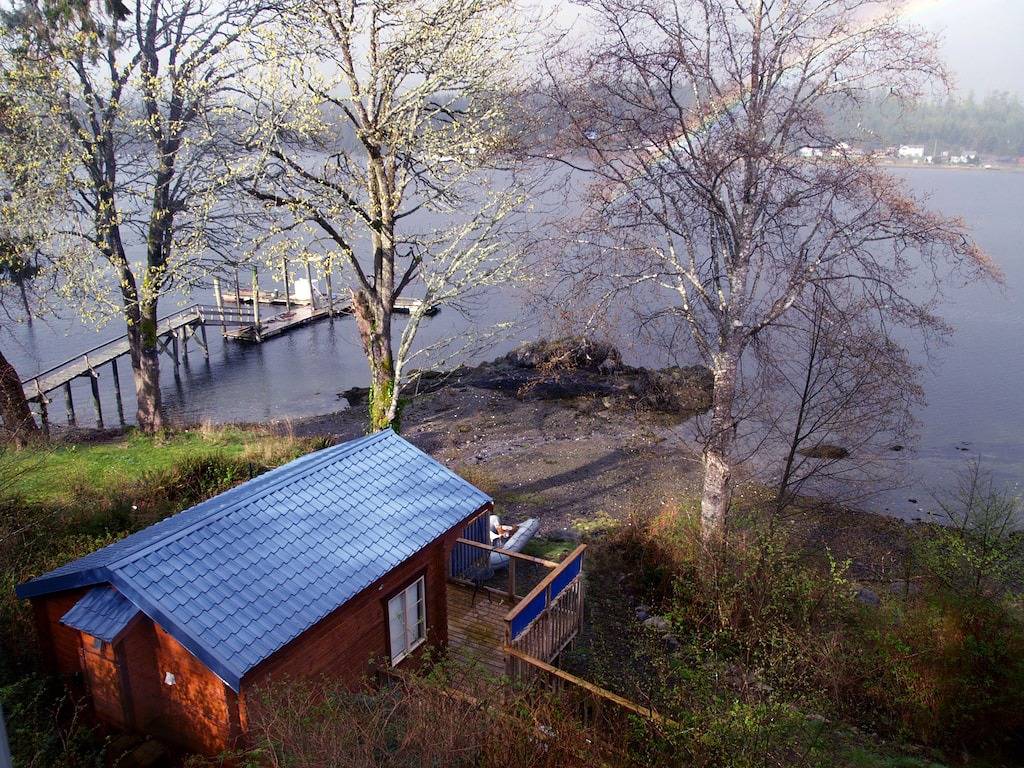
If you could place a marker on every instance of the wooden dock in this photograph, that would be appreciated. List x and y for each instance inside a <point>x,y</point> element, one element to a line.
<point>174,332</point>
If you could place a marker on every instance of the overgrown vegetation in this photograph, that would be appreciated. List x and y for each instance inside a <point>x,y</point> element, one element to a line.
<point>60,503</point>
<point>425,719</point>
<point>769,655</point>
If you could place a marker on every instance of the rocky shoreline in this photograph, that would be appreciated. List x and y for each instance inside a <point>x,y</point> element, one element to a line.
<point>573,371</point>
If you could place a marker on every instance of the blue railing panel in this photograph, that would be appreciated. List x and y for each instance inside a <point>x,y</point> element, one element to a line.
<point>527,614</point>
<point>563,579</point>
<point>466,560</point>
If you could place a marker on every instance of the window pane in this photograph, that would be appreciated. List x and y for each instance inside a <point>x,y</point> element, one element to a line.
<point>396,625</point>
<point>420,613</point>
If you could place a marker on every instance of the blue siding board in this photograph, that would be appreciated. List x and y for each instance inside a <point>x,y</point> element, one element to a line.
<point>237,577</point>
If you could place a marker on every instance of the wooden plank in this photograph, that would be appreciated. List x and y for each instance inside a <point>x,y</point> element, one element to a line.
<point>545,582</point>
<point>509,552</point>
<point>596,690</point>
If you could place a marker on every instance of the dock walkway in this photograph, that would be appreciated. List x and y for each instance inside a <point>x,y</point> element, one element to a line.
<point>173,334</point>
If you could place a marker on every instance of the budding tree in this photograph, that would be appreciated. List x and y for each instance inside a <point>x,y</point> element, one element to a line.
<point>33,186</point>
<point>142,98</point>
<point>382,123</point>
<point>694,118</point>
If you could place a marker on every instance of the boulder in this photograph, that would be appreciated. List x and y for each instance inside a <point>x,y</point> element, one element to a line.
<point>568,353</point>
<point>867,597</point>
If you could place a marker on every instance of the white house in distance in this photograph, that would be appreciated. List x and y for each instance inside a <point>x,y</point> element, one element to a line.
<point>906,152</point>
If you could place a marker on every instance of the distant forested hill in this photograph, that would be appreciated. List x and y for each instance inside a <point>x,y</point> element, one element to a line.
<point>992,125</point>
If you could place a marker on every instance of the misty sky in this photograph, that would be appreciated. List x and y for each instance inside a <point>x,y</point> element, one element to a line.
<point>983,41</point>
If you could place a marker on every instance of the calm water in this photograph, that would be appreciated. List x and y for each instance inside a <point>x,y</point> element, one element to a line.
<point>975,385</point>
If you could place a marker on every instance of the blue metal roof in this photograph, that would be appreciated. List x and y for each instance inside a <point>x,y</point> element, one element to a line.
<point>237,577</point>
<point>103,612</point>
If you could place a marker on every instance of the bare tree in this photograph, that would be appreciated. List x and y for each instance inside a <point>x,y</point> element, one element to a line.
<point>691,115</point>
<point>144,100</point>
<point>389,125</point>
<point>839,394</point>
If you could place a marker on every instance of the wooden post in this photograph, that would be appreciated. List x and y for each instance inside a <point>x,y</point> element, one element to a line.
<point>117,391</point>
<point>309,279</point>
<point>238,293</point>
<point>256,303</point>
<point>94,382</point>
<point>69,403</point>
<point>218,297</point>
<point>511,578</point>
<point>287,287</point>
<point>206,346</point>
<point>174,347</point>
<point>184,341</point>
<point>256,300</point>
<point>327,285</point>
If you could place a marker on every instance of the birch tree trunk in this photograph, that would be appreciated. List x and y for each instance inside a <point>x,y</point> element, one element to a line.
<point>717,492</point>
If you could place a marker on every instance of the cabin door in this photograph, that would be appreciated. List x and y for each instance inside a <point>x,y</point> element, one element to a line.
<point>103,677</point>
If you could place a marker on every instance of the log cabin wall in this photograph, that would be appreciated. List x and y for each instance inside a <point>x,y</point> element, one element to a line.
<point>200,711</point>
<point>343,645</point>
<point>60,645</point>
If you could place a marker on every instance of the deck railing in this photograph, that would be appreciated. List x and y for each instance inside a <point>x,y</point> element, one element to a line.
<point>470,565</point>
<point>543,623</point>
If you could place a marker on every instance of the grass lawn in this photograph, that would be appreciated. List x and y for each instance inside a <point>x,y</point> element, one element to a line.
<point>54,474</point>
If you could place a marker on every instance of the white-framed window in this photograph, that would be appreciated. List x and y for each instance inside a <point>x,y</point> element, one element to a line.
<point>407,620</point>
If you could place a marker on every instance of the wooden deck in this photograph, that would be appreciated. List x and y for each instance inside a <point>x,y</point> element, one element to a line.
<point>476,627</point>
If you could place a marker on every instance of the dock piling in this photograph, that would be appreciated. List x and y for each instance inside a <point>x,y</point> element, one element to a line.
<point>206,344</point>
<point>69,404</point>
<point>330,291</point>
<point>117,391</point>
<point>174,348</point>
<point>287,287</point>
<point>219,299</point>
<point>94,382</point>
<point>256,301</point>
<point>309,279</point>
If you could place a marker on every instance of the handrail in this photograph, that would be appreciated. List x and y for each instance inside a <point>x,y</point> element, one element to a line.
<point>191,309</point>
<point>596,690</point>
<point>508,552</point>
<point>545,582</point>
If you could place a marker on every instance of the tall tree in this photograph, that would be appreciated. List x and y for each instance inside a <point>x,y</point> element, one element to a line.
<point>144,101</point>
<point>690,115</point>
<point>33,185</point>
<point>389,121</point>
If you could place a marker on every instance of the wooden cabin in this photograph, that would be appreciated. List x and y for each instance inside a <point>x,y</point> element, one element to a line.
<point>319,567</point>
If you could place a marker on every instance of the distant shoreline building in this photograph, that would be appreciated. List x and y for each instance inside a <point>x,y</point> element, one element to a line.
<point>907,152</point>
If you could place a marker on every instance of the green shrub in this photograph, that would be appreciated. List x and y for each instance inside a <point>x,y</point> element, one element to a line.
<point>47,728</point>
